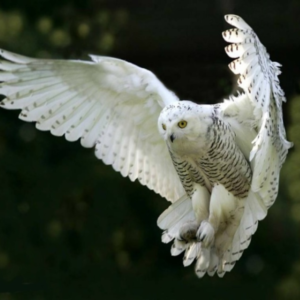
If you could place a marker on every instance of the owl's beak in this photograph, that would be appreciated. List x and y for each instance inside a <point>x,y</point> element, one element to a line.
<point>172,137</point>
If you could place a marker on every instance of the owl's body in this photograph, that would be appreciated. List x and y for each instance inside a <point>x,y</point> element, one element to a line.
<point>219,164</point>
<point>206,157</point>
<point>209,150</point>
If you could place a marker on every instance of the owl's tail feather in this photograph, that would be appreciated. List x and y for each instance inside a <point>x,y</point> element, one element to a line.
<point>220,257</point>
<point>178,215</point>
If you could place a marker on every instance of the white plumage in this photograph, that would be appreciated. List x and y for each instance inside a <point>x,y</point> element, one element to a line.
<point>218,164</point>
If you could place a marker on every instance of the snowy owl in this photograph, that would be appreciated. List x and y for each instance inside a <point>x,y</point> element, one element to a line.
<point>218,164</point>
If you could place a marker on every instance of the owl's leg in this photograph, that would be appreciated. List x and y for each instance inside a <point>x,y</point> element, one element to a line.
<point>225,212</point>
<point>206,234</point>
<point>200,204</point>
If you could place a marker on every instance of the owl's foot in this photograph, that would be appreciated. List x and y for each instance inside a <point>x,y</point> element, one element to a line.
<point>188,231</point>
<point>206,234</point>
<point>185,236</point>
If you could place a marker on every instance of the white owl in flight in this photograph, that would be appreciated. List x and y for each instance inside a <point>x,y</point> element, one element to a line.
<point>218,164</point>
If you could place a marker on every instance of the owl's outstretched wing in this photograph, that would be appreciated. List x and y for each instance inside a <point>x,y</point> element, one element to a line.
<point>256,118</point>
<point>107,103</point>
<point>259,81</point>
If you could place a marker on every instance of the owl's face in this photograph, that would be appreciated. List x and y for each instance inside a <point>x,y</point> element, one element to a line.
<point>184,125</point>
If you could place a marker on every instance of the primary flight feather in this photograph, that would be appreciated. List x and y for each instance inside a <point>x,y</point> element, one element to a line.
<point>218,164</point>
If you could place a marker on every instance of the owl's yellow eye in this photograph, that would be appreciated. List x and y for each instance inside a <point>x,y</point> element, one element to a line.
<point>164,126</point>
<point>182,124</point>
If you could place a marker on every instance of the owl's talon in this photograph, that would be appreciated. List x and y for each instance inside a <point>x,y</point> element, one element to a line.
<point>206,234</point>
<point>202,237</point>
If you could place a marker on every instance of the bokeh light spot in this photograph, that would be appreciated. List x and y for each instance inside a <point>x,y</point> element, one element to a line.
<point>54,228</point>
<point>44,25</point>
<point>83,30</point>
<point>27,132</point>
<point>254,264</point>
<point>4,260</point>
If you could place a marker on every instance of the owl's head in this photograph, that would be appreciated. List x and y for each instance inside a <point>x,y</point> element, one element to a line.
<point>184,123</point>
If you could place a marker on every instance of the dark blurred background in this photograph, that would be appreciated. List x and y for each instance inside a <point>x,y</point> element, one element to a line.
<point>71,227</point>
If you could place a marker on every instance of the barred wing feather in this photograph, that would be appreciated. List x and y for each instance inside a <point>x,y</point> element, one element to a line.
<point>107,103</point>
<point>256,118</point>
<point>259,80</point>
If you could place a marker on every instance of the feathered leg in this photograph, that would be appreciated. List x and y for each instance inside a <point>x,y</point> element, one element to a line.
<point>225,213</point>
<point>200,204</point>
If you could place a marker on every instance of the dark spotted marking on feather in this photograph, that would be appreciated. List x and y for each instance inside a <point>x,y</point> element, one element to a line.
<point>167,233</point>
<point>178,247</point>
<point>237,252</point>
<point>247,240</point>
<point>231,263</point>
<point>200,272</point>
